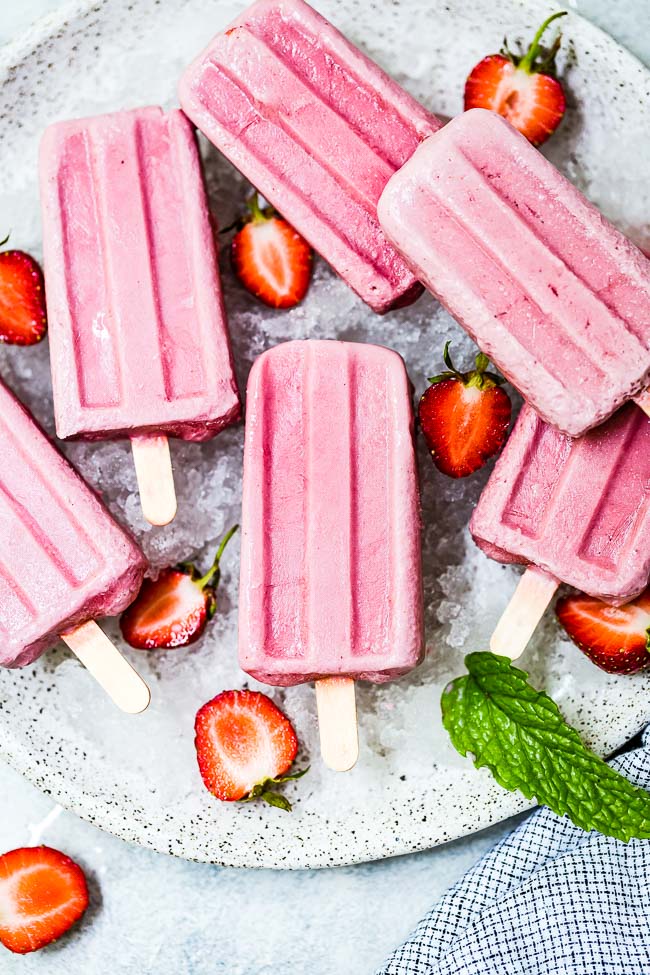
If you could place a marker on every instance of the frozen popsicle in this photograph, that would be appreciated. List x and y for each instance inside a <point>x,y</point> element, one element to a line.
<point>552,292</point>
<point>573,511</point>
<point>138,335</point>
<point>331,587</point>
<point>63,560</point>
<point>318,128</point>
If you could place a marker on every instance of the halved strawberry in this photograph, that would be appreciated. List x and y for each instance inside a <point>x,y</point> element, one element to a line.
<point>245,746</point>
<point>173,610</point>
<point>23,320</point>
<point>615,638</point>
<point>522,88</point>
<point>464,417</point>
<point>42,894</point>
<point>270,258</point>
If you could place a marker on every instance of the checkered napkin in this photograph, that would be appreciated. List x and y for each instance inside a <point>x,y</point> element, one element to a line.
<point>549,899</point>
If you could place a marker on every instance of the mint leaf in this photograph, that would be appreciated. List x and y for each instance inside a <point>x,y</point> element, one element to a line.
<point>494,714</point>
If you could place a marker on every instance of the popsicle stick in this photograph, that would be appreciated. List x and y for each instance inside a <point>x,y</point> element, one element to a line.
<point>643,400</point>
<point>523,612</point>
<point>337,721</point>
<point>109,668</point>
<point>153,468</point>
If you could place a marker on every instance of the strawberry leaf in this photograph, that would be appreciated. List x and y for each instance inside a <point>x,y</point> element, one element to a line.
<point>518,733</point>
<point>264,790</point>
<point>477,377</point>
<point>275,799</point>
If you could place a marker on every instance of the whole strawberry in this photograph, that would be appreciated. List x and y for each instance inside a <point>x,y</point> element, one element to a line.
<point>23,320</point>
<point>270,258</point>
<point>245,747</point>
<point>615,638</point>
<point>173,610</point>
<point>522,88</point>
<point>464,417</point>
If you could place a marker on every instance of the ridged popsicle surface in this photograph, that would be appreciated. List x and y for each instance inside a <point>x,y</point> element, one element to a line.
<point>318,128</point>
<point>137,326</point>
<point>63,560</point>
<point>331,576</point>
<point>552,292</point>
<point>580,509</point>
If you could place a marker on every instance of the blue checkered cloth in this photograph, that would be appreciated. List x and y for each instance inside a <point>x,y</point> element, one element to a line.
<point>549,899</point>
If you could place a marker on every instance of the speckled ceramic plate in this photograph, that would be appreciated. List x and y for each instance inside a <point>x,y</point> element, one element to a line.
<point>137,776</point>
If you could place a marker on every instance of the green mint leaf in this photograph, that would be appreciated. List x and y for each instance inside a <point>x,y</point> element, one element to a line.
<point>518,733</point>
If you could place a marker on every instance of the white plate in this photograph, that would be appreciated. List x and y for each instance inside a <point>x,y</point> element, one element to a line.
<point>137,776</point>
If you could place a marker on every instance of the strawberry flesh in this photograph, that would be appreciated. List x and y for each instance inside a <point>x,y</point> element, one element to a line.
<point>271,259</point>
<point>170,611</point>
<point>173,610</point>
<point>615,638</point>
<point>244,742</point>
<point>522,89</point>
<point>42,894</point>
<point>464,418</point>
<point>23,319</point>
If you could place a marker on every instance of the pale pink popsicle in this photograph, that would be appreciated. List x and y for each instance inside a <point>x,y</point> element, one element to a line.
<point>138,334</point>
<point>63,560</point>
<point>551,291</point>
<point>330,575</point>
<point>577,509</point>
<point>318,128</point>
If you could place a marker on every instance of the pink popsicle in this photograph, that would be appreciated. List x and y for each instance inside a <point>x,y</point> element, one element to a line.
<point>138,333</point>
<point>318,128</point>
<point>552,292</point>
<point>577,511</point>
<point>63,560</point>
<point>330,576</point>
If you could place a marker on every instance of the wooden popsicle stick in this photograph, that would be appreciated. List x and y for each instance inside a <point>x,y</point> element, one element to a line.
<point>153,468</point>
<point>523,612</point>
<point>643,400</point>
<point>337,722</point>
<point>101,657</point>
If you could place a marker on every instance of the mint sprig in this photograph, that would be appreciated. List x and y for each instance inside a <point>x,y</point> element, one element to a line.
<point>518,733</point>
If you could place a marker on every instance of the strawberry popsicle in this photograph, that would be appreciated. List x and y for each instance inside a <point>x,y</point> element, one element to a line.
<point>318,128</point>
<point>331,587</point>
<point>553,293</point>
<point>574,511</point>
<point>63,560</point>
<point>138,334</point>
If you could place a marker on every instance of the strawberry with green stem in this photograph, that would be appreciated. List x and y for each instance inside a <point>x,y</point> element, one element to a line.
<point>464,417</point>
<point>522,88</point>
<point>173,610</point>
<point>245,747</point>
<point>270,258</point>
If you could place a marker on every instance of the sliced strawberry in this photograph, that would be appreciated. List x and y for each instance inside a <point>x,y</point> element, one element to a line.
<point>271,259</point>
<point>173,610</point>
<point>42,894</point>
<point>522,88</point>
<point>23,320</point>
<point>615,638</point>
<point>245,746</point>
<point>464,417</point>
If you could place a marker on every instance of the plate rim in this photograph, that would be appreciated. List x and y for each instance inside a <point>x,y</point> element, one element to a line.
<point>12,54</point>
